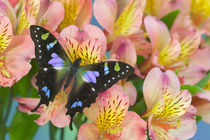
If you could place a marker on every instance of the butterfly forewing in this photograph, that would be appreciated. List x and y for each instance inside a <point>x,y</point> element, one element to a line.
<point>92,79</point>
<point>53,62</point>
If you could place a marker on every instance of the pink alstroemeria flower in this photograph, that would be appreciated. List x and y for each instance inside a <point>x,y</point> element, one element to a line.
<point>168,51</point>
<point>111,118</point>
<point>15,54</point>
<point>88,43</point>
<point>55,112</point>
<point>122,18</point>
<point>77,12</point>
<point>199,66</point>
<point>167,106</point>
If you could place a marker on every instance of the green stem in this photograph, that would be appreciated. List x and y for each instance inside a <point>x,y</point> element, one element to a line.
<point>62,134</point>
<point>52,132</point>
<point>9,105</point>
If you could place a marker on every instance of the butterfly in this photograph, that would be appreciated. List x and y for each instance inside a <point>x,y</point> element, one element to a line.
<point>57,71</point>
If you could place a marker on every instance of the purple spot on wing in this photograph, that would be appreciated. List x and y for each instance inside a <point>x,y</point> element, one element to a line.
<point>96,73</point>
<point>90,76</point>
<point>56,61</point>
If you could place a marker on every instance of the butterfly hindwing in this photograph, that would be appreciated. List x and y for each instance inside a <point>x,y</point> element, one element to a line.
<point>92,79</point>
<point>53,63</point>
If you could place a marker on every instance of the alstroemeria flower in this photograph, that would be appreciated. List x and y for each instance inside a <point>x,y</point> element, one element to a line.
<point>15,54</point>
<point>118,22</point>
<point>168,51</point>
<point>77,12</point>
<point>55,112</point>
<point>166,104</point>
<point>88,43</point>
<point>111,118</point>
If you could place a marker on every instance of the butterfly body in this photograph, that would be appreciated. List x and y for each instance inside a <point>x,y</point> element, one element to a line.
<point>57,71</point>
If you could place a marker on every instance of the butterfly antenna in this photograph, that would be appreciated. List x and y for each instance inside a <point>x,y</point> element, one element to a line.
<point>36,107</point>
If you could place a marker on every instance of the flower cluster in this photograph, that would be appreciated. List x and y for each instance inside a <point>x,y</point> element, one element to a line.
<point>167,42</point>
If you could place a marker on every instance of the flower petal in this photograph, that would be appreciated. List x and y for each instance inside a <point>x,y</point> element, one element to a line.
<point>133,127</point>
<point>123,49</point>
<point>7,10</point>
<point>82,34</point>
<point>28,14</point>
<point>130,90</point>
<point>152,87</point>
<point>85,14</point>
<point>158,33</point>
<point>18,56</point>
<point>130,20</point>
<point>88,131</point>
<point>170,53</point>
<point>173,81</point>
<point>60,119</point>
<point>5,33</point>
<point>52,16</point>
<point>72,9</point>
<point>188,126</point>
<point>105,12</point>
<point>27,104</point>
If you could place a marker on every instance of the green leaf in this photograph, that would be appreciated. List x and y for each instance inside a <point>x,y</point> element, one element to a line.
<point>170,18</point>
<point>192,89</point>
<point>140,59</point>
<point>23,126</point>
<point>203,81</point>
<point>198,118</point>
<point>140,107</point>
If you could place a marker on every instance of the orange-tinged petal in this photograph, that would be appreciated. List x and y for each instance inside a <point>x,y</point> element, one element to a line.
<point>72,10</point>
<point>5,33</point>
<point>122,49</point>
<point>133,127</point>
<point>28,14</point>
<point>157,32</point>
<point>88,131</point>
<point>60,119</point>
<point>170,53</point>
<point>52,16</point>
<point>85,14</point>
<point>162,134</point>
<point>130,20</point>
<point>105,12</point>
<point>27,104</point>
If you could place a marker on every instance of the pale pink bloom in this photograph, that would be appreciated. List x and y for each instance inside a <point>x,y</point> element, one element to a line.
<point>15,54</point>
<point>51,14</point>
<point>166,105</point>
<point>198,66</point>
<point>88,43</point>
<point>77,12</point>
<point>111,118</point>
<point>168,51</point>
<point>123,50</point>
<point>119,18</point>
<point>202,102</point>
<point>54,112</point>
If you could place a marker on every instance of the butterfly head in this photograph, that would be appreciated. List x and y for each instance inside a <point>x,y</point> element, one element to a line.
<point>77,62</point>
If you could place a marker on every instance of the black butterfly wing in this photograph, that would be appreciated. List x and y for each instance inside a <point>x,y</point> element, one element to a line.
<point>53,62</point>
<point>92,79</point>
